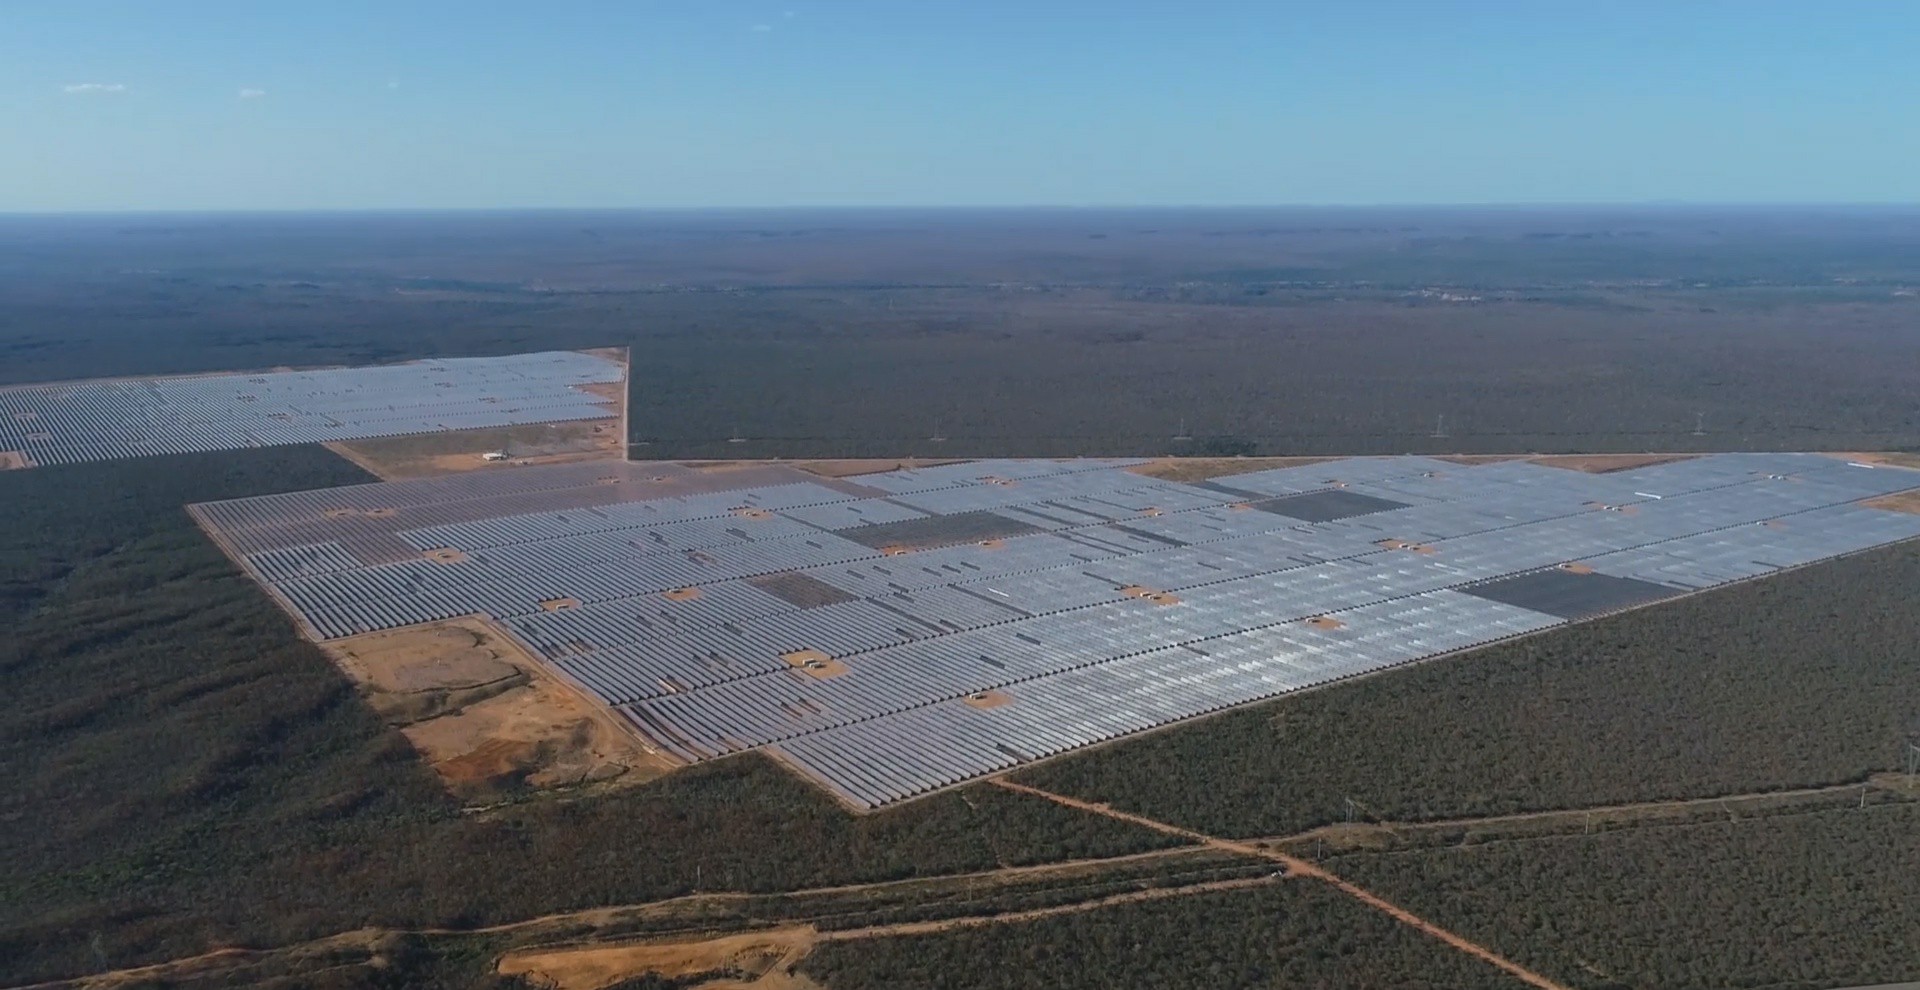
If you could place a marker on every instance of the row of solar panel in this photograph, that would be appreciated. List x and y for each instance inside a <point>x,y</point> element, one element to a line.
<point>744,713</point>
<point>85,421</point>
<point>704,672</point>
<point>883,760</point>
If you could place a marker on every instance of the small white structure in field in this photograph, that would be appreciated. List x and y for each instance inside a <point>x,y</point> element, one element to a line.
<point>494,455</point>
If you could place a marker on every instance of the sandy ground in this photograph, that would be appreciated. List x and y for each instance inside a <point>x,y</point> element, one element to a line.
<point>1603,463</point>
<point>1894,458</point>
<point>1191,469</point>
<point>1470,460</point>
<point>430,455</point>
<point>486,715</point>
<point>13,460</point>
<point>842,468</point>
<point>1903,502</point>
<point>762,960</point>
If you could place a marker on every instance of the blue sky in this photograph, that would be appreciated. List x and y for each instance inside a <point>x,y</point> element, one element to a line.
<point>342,104</point>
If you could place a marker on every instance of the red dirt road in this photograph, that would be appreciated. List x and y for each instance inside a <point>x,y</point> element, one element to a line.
<point>1301,867</point>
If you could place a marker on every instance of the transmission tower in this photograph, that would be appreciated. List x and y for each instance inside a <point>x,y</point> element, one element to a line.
<point>1183,435</point>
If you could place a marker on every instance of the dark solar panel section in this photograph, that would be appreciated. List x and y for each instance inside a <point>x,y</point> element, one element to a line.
<point>1318,507</point>
<point>939,531</point>
<point>1143,534</point>
<point>801,590</point>
<point>1570,595</point>
<point>1224,489</point>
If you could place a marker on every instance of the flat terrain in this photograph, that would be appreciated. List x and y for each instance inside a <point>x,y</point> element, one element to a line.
<point>486,715</point>
<point>1052,333</point>
<point>428,455</point>
<point>857,631</point>
<point>1704,793</point>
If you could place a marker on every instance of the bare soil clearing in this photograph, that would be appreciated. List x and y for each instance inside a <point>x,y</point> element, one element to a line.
<point>1469,460</point>
<point>487,716</point>
<point>13,460</point>
<point>429,455</point>
<point>763,960</point>
<point>1192,469</point>
<point>842,468</point>
<point>1604,463</point>
<point>1903,502</point>
<point>1895,458</point>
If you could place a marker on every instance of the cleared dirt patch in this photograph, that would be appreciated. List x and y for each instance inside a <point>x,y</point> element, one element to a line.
<point>1153,595</point>
<point>1469,460</point>
<point>814,664</point>
<point>1893,457</point>
<point>1603,463</point>
<point>428,455</point>
<point>13,460</point>
<point>1903,502</point>
<point>486,715</point>
<point>763,960</point>
<point>443,656</point>
<point>988,699</point>
<point>856,466</point>
<point>1191,469</point>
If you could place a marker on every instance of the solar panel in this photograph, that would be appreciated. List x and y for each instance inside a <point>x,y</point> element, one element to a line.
<point>986,614</point>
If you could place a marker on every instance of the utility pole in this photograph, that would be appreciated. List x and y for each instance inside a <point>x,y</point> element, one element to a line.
<point>1182,435</point>
<point>1699,424</point>
<point>1440,427</point>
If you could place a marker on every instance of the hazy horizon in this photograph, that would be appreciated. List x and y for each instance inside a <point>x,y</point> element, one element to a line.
<point>748,104</point>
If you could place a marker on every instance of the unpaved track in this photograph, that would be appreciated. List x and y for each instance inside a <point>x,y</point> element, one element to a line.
<point>1301,867</point>
<point>1252,847</point>
<point>1033,914</point>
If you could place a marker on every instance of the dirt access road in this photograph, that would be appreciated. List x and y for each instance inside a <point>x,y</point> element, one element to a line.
<point>1300,867</point>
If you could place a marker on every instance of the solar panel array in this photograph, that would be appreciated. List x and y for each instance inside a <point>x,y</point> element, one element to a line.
<point>720,621</point>
<point>114,418</point>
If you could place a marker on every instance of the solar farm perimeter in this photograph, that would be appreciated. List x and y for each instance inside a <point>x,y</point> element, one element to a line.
<point>896,633</point>
<point>71,422</point>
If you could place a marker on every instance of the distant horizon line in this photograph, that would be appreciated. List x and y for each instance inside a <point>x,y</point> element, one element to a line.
<point>971,208</point>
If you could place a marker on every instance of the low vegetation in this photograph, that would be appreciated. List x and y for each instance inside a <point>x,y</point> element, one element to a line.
<point>1796,901</point>
<point>1292,934</point>
<point>187,772</point>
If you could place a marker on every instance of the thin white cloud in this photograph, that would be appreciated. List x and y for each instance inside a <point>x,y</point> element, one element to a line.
<point>393,84</point>
<point>762,28</point>
<point>95,87</point>
<point>250,93</point>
